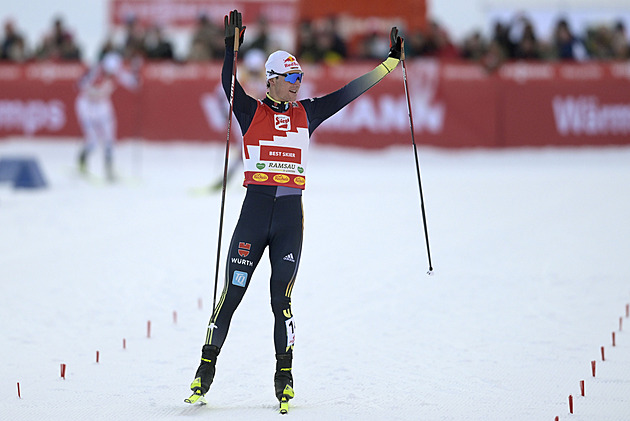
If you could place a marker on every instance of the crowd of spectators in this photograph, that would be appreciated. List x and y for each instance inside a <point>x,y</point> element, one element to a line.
<point>518,40</point>
<point>321,41</point>
<point>514,40</point>
<point>58,44</point>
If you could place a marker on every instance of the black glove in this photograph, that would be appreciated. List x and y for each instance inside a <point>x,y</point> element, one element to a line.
<point>233,21</point>
<point>395,44</point>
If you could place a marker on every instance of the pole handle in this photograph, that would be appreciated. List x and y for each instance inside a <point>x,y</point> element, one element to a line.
<point>236,38</point>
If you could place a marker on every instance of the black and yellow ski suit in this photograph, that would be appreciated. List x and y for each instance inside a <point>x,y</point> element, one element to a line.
<point>275,145</point>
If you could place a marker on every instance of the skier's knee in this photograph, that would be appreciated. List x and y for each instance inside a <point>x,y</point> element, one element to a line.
<point>281,305</point>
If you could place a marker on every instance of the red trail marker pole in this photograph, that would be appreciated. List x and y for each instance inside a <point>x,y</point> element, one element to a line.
<point>570,404</point>
<point>582,387</point>
<point>63,371</point>
<point>19,394</point>
<point>593,367</point>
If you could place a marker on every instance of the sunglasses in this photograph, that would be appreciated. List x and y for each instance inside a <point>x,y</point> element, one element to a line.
<point>289,77</point>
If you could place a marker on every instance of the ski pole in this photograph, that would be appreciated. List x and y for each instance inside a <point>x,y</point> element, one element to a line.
<point>225,169</point>
<point>415,152</point>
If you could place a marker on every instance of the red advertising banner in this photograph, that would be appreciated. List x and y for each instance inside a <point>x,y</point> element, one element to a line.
<point>38,99</point>
<point>570,104</point>
<point>455,104</point>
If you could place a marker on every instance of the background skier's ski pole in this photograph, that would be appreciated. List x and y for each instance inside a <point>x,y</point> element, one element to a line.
<point>415,153</point>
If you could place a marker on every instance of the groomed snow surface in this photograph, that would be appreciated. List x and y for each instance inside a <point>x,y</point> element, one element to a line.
<point>532,275</point>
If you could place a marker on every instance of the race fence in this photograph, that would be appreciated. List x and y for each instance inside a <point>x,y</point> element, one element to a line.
<point>455,104</point>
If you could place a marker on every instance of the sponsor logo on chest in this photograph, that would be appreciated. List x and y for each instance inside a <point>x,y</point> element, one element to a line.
<point>282,166</point>
<point>280,153</point>
<point>282,122</point>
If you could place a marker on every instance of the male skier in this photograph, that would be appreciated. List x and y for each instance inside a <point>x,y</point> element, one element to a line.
<point>276,132</point>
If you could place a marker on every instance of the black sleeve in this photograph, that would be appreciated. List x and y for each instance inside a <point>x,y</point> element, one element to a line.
<point>319,109</point>
<point>244,105</point>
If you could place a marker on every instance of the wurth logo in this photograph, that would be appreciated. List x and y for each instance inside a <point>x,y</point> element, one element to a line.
<point>242,262</point>
<point>243,249</point>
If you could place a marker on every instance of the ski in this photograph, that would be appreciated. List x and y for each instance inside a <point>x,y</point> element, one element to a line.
<point>196,396</point>
<point>203,191</point>
<point>284,405</point>
<point>101,180</point>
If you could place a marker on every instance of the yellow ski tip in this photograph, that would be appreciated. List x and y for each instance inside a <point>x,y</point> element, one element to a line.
<point>196,397</point>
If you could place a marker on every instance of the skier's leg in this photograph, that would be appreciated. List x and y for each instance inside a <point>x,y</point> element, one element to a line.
<point>284,252</point>
<point>90,135</point>
<point>108,124</point>
<point>246,248</point>
<point>206,369</point>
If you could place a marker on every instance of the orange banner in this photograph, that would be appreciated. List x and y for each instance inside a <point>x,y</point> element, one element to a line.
<point>185,13</point>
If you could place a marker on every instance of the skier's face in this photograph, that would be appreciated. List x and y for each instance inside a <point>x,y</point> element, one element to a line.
<point>283,90</point>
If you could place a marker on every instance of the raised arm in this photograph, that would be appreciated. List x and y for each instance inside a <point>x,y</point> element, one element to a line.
<point>244,105</point>
<point>319,109</point>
